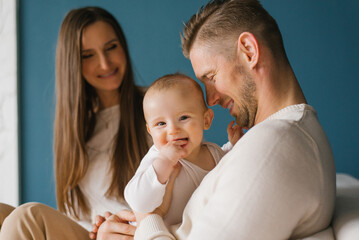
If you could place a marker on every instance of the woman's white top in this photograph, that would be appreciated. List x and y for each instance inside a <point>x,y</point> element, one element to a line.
<point>98,176</point>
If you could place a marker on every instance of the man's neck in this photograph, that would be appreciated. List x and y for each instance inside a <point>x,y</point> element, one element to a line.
<point>276,89</point>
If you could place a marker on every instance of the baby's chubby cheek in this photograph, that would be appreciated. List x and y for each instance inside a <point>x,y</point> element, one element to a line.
<point>160,142</point>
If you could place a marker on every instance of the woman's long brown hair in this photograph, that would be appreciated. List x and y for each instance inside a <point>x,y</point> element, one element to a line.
<point>75,116</point>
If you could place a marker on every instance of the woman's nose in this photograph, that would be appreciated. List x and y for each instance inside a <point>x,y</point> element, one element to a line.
<point>104,62</point>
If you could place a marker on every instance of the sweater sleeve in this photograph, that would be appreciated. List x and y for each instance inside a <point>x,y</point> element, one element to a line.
<point>144,193</point>
<point>153,227</point>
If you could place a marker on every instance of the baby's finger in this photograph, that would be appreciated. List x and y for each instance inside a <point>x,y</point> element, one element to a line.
<point>92,235</point>
<point>108,214</point>
<point>95,228</point>
<point>99,220</point>
<point>230,125</point>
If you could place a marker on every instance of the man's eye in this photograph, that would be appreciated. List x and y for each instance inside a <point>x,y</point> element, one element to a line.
<point>160,124</point>
<point>183,117</point>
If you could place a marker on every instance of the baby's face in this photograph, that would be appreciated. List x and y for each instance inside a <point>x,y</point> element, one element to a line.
<point>174,115</point>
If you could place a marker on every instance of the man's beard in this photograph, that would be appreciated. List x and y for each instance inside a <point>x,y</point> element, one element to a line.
<point>247,104</point>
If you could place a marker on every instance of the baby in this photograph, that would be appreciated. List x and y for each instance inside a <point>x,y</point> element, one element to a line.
<point>176,115</point>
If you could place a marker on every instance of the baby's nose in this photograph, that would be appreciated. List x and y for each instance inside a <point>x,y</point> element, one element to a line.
<point>174,129</point>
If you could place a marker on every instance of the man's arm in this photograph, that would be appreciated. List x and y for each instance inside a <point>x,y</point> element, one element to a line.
<point>261,193</point>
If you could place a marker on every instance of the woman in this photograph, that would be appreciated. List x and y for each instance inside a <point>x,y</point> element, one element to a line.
<point>100,133</point>
<point>94,81</point>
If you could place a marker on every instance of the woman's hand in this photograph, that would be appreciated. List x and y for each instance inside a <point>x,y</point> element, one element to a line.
<point>167,198</point>
<point>117,227</point>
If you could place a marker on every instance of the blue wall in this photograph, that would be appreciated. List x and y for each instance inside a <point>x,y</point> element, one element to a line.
<point>321,38</point>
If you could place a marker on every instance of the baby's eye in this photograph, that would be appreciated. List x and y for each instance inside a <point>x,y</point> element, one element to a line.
<point>160,124</point>
<point>183,117</point>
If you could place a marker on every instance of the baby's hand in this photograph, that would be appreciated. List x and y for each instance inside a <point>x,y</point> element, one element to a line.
<point>173,151</point>
<point>234,133</point>
<point>168,158</point>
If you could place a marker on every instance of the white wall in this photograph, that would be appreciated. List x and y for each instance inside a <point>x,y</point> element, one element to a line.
<point>9,180</point>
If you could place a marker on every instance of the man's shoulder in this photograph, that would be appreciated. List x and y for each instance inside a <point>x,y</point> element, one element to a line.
<point>280,141</point>
<point>272,131</point>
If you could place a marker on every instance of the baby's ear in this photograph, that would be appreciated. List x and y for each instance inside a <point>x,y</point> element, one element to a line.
<point>208,117</point>
<point>148,129</point>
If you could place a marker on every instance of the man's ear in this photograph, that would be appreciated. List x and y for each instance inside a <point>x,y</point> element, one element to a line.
<point>248,45</point>
<point>208,117</point>
<point>148,129</point>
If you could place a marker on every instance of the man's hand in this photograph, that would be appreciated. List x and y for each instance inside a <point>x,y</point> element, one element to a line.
<point>117,227</point>
<point>98,221</point>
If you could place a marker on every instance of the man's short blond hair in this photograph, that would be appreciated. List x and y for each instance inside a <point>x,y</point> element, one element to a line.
<point>219,23</point>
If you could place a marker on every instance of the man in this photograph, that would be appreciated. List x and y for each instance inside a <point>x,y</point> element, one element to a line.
<point>278,182</point>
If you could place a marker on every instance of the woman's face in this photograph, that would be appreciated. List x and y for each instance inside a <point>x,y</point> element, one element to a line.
<point>103,61</point>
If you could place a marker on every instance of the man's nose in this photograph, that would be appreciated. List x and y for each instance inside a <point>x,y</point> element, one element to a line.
<point>212,95</point>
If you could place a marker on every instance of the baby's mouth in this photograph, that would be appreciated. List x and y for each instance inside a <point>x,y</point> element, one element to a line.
<point>184,145</point>
<point>185,140</point>
<point>181,139</point>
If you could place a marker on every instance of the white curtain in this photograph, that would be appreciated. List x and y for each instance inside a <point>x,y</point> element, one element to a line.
<point>9,177</point>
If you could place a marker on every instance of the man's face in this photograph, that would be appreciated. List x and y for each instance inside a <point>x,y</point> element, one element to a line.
<point>227,84</point>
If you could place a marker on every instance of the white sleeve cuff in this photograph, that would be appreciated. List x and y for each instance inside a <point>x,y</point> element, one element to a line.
<point>227,147</point>
<point>153,227</point>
